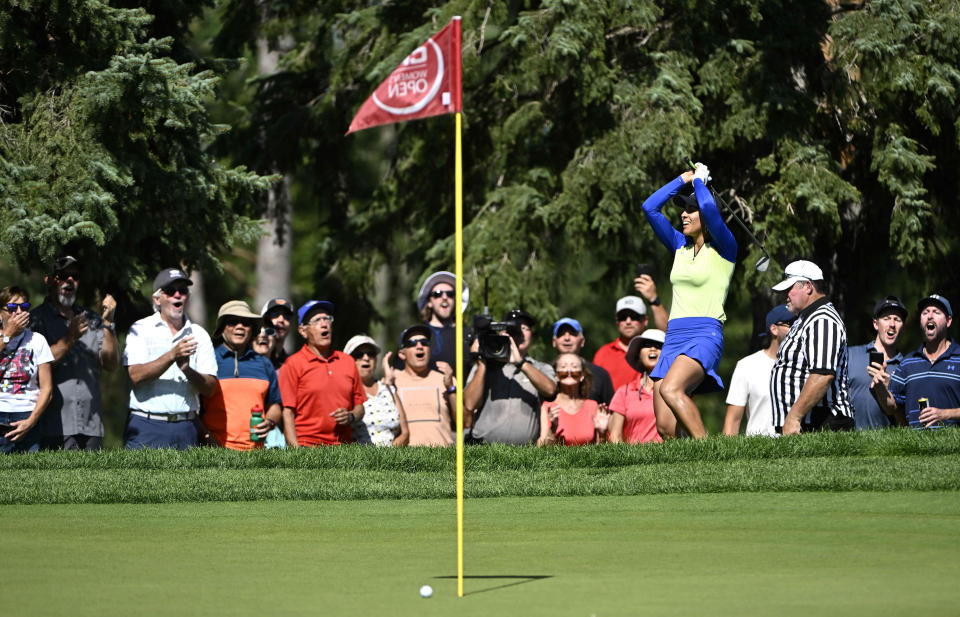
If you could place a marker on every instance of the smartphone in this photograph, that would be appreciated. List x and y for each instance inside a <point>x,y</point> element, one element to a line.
<point>644,269</point>
<point>876,356</point>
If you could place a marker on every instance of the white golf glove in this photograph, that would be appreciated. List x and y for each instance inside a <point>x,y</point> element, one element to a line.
<point>702,172</point>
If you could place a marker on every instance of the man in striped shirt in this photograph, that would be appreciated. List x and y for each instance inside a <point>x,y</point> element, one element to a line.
<point>808,384</point>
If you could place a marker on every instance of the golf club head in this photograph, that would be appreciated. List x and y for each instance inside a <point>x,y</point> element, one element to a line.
<point>763,263</point>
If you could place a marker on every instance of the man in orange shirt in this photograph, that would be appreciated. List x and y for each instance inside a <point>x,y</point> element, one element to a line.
<point>428,397</point>
<point>631,321</point>
<point>320,386</point>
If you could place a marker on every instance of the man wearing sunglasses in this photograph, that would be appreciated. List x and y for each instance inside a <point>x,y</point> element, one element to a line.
<point>631,317</point>
<point>83,343</point>
<point>437,303</point>
<point>320,386</point>
<point>428,396</point>
<point>171,363</point>
<point>245,380</point>
<point>278,315</point>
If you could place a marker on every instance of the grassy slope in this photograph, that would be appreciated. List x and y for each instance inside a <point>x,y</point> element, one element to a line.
<point>878,461</point>
<point>722,554</point>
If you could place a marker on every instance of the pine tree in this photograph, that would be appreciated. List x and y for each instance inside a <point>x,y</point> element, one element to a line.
<point>104,146</point>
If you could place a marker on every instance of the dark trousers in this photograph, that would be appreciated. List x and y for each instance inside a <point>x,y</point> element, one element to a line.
<point>72,442</point>
<point>146,433</point>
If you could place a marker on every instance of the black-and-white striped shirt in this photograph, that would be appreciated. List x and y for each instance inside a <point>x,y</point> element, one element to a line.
<point>816,343</point>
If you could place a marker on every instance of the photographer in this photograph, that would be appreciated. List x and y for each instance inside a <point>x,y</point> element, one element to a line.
<point>506,388</point>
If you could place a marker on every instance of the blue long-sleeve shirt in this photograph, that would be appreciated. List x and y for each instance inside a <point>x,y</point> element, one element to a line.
<point>700,279</point>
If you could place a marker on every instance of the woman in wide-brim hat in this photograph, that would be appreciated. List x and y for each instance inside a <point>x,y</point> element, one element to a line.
<point>633,419</point>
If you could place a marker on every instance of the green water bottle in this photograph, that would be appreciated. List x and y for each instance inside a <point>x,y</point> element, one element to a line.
<point>256,419</point>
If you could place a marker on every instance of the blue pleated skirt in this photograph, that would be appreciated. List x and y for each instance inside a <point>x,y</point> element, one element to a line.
<point>699,338</point>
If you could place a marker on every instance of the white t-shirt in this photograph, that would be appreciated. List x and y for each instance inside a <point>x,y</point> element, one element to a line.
<point>19,365</point>
<point>750,387</point>
<point>150,338</point>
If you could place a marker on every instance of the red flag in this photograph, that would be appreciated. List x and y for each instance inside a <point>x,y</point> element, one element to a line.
<point>427,83</point>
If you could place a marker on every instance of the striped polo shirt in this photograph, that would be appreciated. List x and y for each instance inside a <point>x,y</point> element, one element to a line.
<point>938,382</point>
<point>816,343</point>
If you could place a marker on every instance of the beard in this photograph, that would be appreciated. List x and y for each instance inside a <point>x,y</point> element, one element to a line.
<point>67,299</point>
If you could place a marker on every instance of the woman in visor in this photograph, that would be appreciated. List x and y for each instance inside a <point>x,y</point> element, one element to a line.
<point>704,256</point>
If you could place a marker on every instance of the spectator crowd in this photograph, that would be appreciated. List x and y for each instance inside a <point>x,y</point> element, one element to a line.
<point>238,388</point>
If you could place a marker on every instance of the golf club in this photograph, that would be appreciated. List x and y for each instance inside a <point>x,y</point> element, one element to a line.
<point>764,262</point>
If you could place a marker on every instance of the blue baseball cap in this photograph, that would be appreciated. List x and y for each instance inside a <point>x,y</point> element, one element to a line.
<point>779,314</point>
<point>936,300</point>
<point>567,321</point>
<point>313,306</point>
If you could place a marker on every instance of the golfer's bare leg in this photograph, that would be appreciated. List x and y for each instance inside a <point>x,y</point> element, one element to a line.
<point>684,376</point>
<point>666,421</point>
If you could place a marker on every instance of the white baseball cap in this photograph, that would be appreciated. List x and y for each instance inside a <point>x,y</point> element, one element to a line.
<point>631,303</point>
<point>357,341</point>
<point>796,271</point>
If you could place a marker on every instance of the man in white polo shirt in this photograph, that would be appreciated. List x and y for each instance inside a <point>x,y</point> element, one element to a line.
<point>170,361</point>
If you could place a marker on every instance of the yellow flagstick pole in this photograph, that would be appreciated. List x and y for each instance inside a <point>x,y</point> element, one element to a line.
<point>458,223</point>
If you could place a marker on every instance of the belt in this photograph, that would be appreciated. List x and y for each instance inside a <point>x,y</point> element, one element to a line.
<point>166,417</point>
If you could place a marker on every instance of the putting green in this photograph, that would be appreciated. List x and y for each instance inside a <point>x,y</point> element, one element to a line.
<point>714,554</point>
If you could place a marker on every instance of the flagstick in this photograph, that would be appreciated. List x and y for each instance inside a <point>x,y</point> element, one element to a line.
<point>458,223</point>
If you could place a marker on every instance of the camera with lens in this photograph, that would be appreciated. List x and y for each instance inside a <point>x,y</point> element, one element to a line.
<point>494,337</point>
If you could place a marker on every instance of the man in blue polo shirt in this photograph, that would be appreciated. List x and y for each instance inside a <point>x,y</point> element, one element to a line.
<point>889,316</point>
<point>931,372</point>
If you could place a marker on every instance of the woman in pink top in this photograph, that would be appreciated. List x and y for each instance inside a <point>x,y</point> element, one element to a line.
<point>633,420</point>
<point>572,419</point>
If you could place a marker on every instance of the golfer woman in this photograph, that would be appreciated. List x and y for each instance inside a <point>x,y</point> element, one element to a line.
<point>705,253</point>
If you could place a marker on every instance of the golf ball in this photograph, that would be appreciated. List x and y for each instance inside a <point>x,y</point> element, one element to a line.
<point>426,591</point>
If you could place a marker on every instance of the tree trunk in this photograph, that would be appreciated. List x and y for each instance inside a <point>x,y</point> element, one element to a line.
<point>197,306</point>
<point>274,247</point>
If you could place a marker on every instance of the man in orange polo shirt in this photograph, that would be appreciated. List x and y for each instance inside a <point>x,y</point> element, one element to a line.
<point>320,386</point>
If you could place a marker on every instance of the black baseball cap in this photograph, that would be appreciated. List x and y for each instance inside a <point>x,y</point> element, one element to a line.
<point>416,329</point>
<point>170,275</point>
<point>687,202</point>
<point>520,315</point>
<point>936,300</point>
<point>890,304</point>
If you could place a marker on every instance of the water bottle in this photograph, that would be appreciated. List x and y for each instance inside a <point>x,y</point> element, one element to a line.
<point>256,419</point>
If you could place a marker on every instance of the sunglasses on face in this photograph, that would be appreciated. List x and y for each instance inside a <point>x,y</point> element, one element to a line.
<point>276,312</point>
<point>171,290</point>
<point>440,293</point>
<point>562,374</point>
<point>13,306</point>
<point>625,315</point>
<point>232,322</point>
<point>64,276</point>
<point>413,342</point>
<point>359,353</point>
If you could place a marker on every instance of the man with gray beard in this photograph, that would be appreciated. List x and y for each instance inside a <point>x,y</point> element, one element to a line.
<point>83,343</point>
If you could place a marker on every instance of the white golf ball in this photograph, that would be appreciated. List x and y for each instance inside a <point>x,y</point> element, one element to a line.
<point>426,591</point>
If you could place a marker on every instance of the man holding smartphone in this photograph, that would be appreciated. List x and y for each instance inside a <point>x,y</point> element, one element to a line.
<point>889,315</point>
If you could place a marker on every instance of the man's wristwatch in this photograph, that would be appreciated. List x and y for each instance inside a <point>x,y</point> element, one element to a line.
<point>350,416</point>
<point>452,389</point>
<point>522,362</point>
<point>6,339</point>
<point>110,326</point>
<point>655,301</point>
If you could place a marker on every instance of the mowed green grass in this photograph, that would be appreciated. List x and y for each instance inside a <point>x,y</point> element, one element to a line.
<point>812,553</point>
